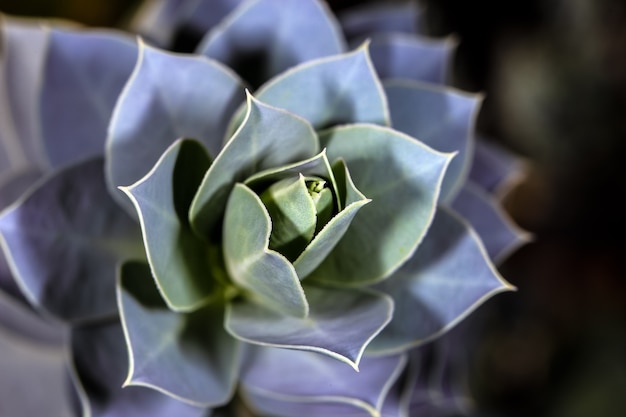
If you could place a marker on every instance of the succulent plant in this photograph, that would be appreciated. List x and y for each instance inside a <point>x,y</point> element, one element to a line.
<point>270,242</point>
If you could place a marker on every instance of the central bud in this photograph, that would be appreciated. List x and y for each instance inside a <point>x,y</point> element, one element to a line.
<point>299,208</point>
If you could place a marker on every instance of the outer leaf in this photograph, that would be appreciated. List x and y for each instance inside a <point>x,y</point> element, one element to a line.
<point>402,177</point>
<point>188,356</point>
<point>84,72</point>
<point>269,276</point>
<point>447,278</point>
<point>440,117</point>
<point>340,323</point>
<point>168,97</point>
<point>268,138</point>
<point>64,239</point>
<point>99,365</point>
<point>178,258</point>
<point>266,37</point>
<point>361,22</point>
<point>329,91</point>
<point>288,383</point>
<point>405,56</point>
<point>499,234</point>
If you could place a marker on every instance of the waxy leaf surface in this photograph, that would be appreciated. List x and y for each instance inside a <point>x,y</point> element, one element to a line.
<point>266,37</point>
<point>168,97</point>
<point>441,118</point>
<point>340,323</point>
<point>402,177</point>
<point>178,258</point>
<point>64,240</point>
<point>279,382</point>
<point>84,73</point>
<point>267,275</point>
<point>362,22</point>
<point>447,278</point>
<point>494,169</point>
<point>99,366</point>
<point>268,138</point>
<point>496,230</point>
<point>189,356</point>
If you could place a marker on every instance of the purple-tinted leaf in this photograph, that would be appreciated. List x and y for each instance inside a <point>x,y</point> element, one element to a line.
<point>447,278</point>
<point>268,138</point>
<point>84,72</point>
<point>440,117</point>
<point>188,356</point>
<point>168,97</point>
<point>289,383</point>
<point>495,169</point>
<point>33,378</point>
<point>402,177</point>
<point>340,323</point>
<point>178,258</point>
<point>63,241</point>
<point>100,364</point>
<point>362,22</point>
<point>329,91</point>
<point>409,57</point>
<point>497,231</point>
<point>263,38</point>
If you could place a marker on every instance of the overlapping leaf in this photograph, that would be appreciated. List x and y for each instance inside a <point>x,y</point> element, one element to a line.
<point>441,118</point>
<point>189,356</point>
<point>495,169</point>
<point>448,277</point>
<point>266,37</point>
<point>63,241</point>
<point>360,23</point>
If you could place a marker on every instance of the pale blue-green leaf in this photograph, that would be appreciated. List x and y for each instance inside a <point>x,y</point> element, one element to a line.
<point>99,364</point>
<point>178,258</point>
<point>265,274</point>
<point>169,96</point>
<point>263,38</point>
<point>295,383</point>
<point>329,91</point>
<point>188,356</point>
<point>33,378</point>
<point>496,169</point>
<point>359,23</point>
<point>340,324</point>
<point>84,73</point>
<point>21,66</point>
<point>64,239</point>
<point>440,117</point>
<point>402,177</point>
<point>498,232</point>
<point>324,242</point>
<point>269,137</point>
<point>449,276</point>
<point>404,56</point>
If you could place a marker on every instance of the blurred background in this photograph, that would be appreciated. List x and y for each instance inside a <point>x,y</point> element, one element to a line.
<point>554,75</point>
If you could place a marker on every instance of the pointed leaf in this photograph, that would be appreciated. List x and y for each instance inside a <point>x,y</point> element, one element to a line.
<point>84,73</point>
<point>266,274</point>
<point>340,323</point>
<point>269,137</point>
<point>498,232</point>
<point>440,117</point>
<point>283,382</point>
<point>402,176</point>
<point>64,239</point>
<point>329,91</point>
<point>406,56</point>
<point>168,97</point>
<point>188,356</point>
<point>266,37</point>
<point>447,278</point>
<point>178,258</point>
<point>100,363</point>
<point>362,22</point>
